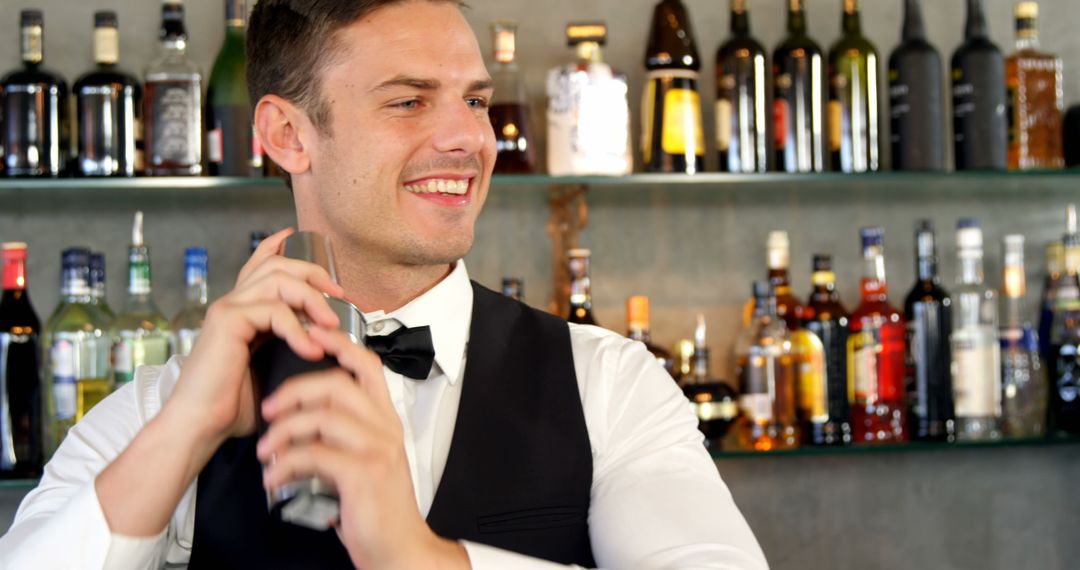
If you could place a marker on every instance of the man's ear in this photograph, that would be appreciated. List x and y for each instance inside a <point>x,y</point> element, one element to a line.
<point>282,128</point>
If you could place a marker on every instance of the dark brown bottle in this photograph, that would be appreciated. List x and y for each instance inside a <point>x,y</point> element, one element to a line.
<point>21,406</point>
<point>672,137</point>
<point>509,111</point>
<point>714,401</point>
<point>741,128</point>
<point>798,98</point>
<point>580,288</point>
<point>825,317</point>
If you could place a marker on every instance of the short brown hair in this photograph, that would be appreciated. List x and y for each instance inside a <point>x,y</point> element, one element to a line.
<point>290,42</point>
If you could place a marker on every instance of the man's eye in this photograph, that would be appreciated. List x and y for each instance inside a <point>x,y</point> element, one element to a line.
<point>477,102</point>
<point>410,104</point>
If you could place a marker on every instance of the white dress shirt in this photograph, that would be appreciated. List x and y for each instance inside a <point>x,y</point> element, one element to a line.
<point>657,500</point>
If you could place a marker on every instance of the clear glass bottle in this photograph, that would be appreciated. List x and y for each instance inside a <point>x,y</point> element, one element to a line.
<point>741,101</point>
<point>1036,97</point>
<point>580,311</point>
<point>173,102</point>
<point>77,349</point>
<point>976,349</point>
<point>765,366</point>
<point>108,105</point>
<point>187,324</point>
<point>588,113</point>
<point>140,333</point>
<point>98,291</point>
<point>34,107</point>
<point>637,326</point>
<point>509,110</point>
<point>1023,377</point>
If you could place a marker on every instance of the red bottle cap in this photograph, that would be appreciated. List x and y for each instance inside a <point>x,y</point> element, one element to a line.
<point>14,256</point>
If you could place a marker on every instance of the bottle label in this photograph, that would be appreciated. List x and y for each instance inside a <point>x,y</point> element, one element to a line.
<point>588,122</point>
<point>682,132</point>
<point>709,411</point>
<point>976,373</point>
<point>174,121</point>
<point>780,122</point>
<point>106,45</point>
<point>723,124</point>
<point>813,387</point>
<point>62,356</point>
<point>836,122</point>
<point>757,407</point>
<point>863,348</point>
<point>122,361</point>
<point>214,146</point>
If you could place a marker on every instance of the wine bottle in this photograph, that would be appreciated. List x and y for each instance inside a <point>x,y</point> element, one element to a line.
<point>741,104</point>
<point>916,94</point>
<point>231,147</point>
<point>108,103</point>
<point>798,98</point>
<point>34,107</point>
<point>980,126</point>
<point>853,98</point>
<point>672,135</point>
<point>20,380</point>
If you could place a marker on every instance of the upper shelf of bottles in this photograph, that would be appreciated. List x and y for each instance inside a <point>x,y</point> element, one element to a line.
<point>978,182</point>
<point>806,451</point>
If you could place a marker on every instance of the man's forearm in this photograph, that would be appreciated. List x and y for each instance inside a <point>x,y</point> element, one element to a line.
<point>140,490</point>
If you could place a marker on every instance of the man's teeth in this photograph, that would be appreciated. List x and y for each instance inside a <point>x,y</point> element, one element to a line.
<point>459,187</point>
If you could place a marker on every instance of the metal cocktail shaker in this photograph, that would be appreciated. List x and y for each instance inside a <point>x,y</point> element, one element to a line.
<point>312,503</point>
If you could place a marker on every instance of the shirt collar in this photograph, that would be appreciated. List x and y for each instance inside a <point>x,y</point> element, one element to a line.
<point>447,309</point>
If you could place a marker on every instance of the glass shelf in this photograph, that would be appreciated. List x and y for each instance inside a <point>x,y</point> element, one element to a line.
<point>895,449</point>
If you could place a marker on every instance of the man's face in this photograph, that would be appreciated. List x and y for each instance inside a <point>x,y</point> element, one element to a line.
<point>405,169</point>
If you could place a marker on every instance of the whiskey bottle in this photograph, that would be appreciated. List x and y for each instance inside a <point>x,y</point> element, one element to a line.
<point>916,97</point>
<point>580,288</point>
<point>34,107</point>
<point>875,353</point>
<point>741,137</point>
<point>20,380</point>
<point>778,260</point>
<point>173,103</point>
<point>976,349</point>
<point>510,106</point>
<point>108,102</point>
<point>231,147</point>
<point>825,414</point>
<point>765,366</point>
<point>978,78</point>
<point>1023,377</point>
<point>672,135</point>
<point>637,326</point>
<point>713,401</point>
<point>853,98</point>
<point>1035,98</point>
<point>928,313</point>
<point>588,114</point>
<point>798,98</point>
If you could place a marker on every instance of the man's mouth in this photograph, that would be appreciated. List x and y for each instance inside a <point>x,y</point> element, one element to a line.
<point>439,186</point>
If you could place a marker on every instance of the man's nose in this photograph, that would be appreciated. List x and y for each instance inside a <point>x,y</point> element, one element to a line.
<point>461,129</point>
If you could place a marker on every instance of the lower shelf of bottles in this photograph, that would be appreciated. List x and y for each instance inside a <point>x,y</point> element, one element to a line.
<point>914,447</point>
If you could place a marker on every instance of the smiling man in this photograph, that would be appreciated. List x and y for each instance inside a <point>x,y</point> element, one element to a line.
<point>529,443</point>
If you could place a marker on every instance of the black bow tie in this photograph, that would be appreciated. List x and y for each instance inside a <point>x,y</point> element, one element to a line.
<point>407,351</point>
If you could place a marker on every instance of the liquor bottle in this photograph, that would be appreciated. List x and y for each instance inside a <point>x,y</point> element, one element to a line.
<point>98,292</point>
<point>588,113</point>
<point>798,98</point>
<point>765,366</point>
<point>778,260</point>
<point>875,353</point>
<point>637,326</point>
<point>187,324</point>
<point>672,135</point>
<point>510,106</point>
<point>173,102</point>
<point>980,127</point>
<point>928,376</point>
<point>713,401</point>
<point>231,147</point>
<point>1036,97</point>
<point>140,333</point>
<point>77,349</point>
<point>34,108</point>
<point>108,102</point>
<point>1064,361</point>
<point>823,396</point>
<point>916,96</point>
<point>1023,377</point>
<point>1052,282</point>
<point>514,287</point>
<point>580,288</point>
<point>741,104</point>
<point>20,380</point>
<point>853,98</point>
<point>976,349</point>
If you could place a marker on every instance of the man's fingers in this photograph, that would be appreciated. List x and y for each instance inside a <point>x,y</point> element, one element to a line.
<point>314,275</point>
<point>335,428</point>
<point>362,362</point>
<point>294,291</point>
<point>267,248</point>
<point>303,461</point>
<point>278,318</point>
<point>335,388</point>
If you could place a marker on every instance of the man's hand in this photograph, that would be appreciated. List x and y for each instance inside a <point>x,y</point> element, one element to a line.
<point>341,426</point>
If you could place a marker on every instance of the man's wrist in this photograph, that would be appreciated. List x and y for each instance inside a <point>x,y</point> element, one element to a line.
<point>188,435</point>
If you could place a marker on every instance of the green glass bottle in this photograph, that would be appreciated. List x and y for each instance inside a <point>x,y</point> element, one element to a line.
<point>140,334</point>
<point>231,148</point>
<point>798,91</point>
<point>853,98</point>
<point>76,350</point>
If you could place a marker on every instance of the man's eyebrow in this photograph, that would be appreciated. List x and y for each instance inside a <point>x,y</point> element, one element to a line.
<point>481,85</point>
<point>427,84</point>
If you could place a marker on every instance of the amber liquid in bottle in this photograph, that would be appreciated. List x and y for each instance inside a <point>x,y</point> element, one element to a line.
<point>1035,98</point>
<point>509,110</point>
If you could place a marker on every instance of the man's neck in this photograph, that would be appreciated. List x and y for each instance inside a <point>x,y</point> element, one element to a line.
<point>387,288</point>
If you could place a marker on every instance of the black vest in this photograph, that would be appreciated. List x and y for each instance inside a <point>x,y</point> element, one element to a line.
<point>518,475</point>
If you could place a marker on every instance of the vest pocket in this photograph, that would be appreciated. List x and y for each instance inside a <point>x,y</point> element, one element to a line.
<point>531,519</point>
